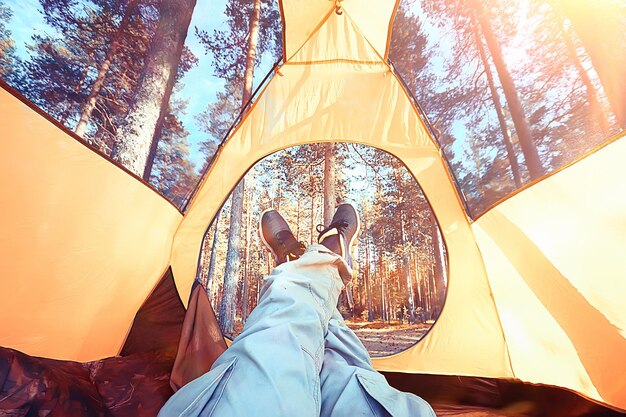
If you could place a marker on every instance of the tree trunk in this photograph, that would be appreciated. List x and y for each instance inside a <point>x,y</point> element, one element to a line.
<point>524,133</point>
<point>510,152</point>
<point>329,182</point>
<point>418,285</point>
<point>213,258</point>
<point>233,260</point>
<point>231,274</point>
<point>247,269</point>
<point>439,264</point>
<point>429,292</point>
<point>407,278</point>
<point>134,138</point>
<point>368,284</point>
<point>312,211</point>
<point>298,195</point>
<point>595,108</point>
<point>601,31</point>
<point>154,144</point>
<point>114,44</point>
<point>405,256</point>
<point>383,293</point>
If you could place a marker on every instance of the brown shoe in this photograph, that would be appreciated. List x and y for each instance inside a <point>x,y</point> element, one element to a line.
<point>278,238</point>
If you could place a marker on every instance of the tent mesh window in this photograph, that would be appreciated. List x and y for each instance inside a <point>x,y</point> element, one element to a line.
<point>512,91</point>
<point>401,257</point>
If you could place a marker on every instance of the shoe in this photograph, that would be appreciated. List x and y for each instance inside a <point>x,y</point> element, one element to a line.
<point>277,237</point>
<point>341,234</point>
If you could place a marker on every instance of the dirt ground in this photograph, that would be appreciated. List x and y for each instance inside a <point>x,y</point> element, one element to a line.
<point>382,339</point>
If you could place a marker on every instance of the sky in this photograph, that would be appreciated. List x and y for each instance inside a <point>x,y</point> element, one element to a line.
<point>199,85</point>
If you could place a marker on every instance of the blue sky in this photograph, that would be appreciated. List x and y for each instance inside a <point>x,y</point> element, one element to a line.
<point>199,85</point>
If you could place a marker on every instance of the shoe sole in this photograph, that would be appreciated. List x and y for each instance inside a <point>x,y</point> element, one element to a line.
<point>356,235</point>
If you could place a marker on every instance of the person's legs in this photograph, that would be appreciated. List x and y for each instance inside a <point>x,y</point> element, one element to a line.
<point>272,368</point>
<point>349,384</point>
<point>351,387</point>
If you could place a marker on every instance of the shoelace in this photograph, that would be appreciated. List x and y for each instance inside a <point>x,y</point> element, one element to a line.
<point>293,249</point>
<point>340,225</point>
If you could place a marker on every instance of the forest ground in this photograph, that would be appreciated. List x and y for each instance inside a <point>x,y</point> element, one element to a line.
<point>382,339</point>
<point>379,338</point>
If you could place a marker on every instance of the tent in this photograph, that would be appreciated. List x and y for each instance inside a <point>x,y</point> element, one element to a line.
<point>536,283</point>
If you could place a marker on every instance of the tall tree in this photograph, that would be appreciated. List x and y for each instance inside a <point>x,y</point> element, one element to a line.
<point>134,138</point>
<point>233,258</point>
<point>601,30</point>
<point>524,133</point>
<point>510,152</point>
<point>60,72</point>
<point>329,181</point>
<point>114,44</point>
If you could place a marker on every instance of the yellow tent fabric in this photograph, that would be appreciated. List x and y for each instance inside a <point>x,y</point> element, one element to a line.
<point>82,244</point>
<point>535,284</point>
<point>555,259</point>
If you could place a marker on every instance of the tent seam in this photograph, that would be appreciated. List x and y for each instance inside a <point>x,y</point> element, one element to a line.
<point>313,32</point>
<point>495,305</point>
<point>360,32</point>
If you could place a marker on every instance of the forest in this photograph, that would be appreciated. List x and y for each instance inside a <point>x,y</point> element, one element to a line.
<point>400,255</point>
<point>511,90</point>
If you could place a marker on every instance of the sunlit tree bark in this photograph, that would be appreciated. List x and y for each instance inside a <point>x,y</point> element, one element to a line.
<point>329,182</point>
<point>213,259</point>
<point>601,31</point>
<point>510,152</point>
<point>134,138</point>
<point>524,133</point>
<point>231,274</point>
<point>595,108</point>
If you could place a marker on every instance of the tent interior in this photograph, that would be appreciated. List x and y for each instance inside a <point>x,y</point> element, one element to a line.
<point>105,304</point>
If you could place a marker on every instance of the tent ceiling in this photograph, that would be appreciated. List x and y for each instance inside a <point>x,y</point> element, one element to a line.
<point>303,18</point>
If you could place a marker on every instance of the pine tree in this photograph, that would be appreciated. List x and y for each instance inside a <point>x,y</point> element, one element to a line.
<point>134,139</point>
<point>601,31</point>
<point>114,44</point>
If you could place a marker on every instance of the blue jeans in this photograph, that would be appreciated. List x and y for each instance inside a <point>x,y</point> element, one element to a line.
<point>295,356</point>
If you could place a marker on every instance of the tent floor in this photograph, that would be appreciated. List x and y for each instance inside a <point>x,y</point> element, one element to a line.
<point>138,385</point>
<point>490,397</point>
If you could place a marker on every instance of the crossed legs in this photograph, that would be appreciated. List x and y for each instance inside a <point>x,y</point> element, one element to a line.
<point>295,357</point>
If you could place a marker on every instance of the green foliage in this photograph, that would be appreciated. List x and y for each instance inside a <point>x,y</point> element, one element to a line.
<point>229,46</point>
